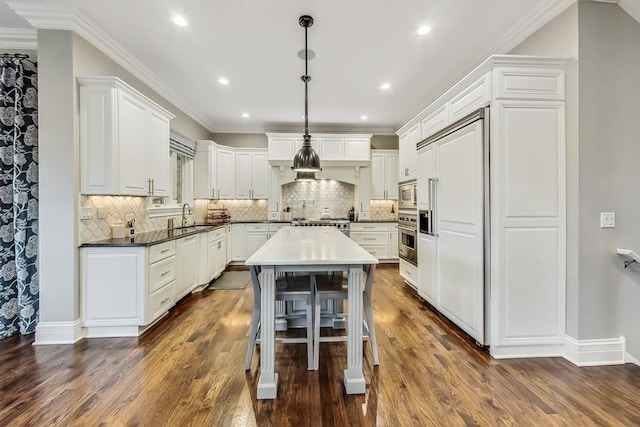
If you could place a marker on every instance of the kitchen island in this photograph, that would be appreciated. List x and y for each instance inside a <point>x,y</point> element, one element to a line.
<point>310,249</point>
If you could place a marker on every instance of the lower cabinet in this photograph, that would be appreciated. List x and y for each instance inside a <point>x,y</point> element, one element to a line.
<point>379,239</point>
<point>409,273</point>
<point>256,236</point>
<point>123,290</point>
<point>186,264</point>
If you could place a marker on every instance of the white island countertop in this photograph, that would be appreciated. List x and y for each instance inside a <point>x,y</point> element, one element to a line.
<point>310,246</point>
<point>310,249</point>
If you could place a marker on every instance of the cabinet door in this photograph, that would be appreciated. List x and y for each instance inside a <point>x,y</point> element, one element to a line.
<point>259,176</point>
<point>377,176</point>
<point>205,173</point>
<point>426,170</point>
<point>391,176</point>
<point>403,154</point>
<point>412,158</point>
<point>243,175</point>
<point>225,174</point>
<point>357,148</point>
<point>186,264</point>
<point>132,134</point>
<point>254,241</point>
<point>221,255</point>
<point>158,154</point>
<point>238,243</point>
<point>281,148</point>
<point>332,148</point>
<point>274,192</point>
<point>229,244</point>
<point>393,242</point>
<point>427,267</point>
<point>212,260</point>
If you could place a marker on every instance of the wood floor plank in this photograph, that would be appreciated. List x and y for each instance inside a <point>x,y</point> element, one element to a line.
<point>189,370</point>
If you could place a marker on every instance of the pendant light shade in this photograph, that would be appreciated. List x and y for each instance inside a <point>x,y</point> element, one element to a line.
<point>305,176</point>
<point>306,159</point>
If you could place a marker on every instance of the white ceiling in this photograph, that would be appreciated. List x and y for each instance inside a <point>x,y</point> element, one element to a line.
<point>358,43</point>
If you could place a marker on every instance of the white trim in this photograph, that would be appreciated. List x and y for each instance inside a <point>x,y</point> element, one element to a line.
<point>58,332</point>
<point>518,351</point>
<point>55,17</point>
<point>605,1</point>
<point>630,359</point>
<point>18,39</point>
<point>597,352</point>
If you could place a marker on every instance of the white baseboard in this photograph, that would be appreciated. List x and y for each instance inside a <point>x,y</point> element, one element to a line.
<point>630,359</point>
<point>525,351</point>
<point>58,332</point>
<point>595,352</point>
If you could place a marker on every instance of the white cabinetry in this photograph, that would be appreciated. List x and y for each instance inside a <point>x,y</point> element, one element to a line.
<point>333,149</point>
<point>256,236</point>
<point>376,238</point>
<point>123,290</point>
<point>252,174</point>
<point>124,140</point>
<point>527,267</point>
<point>216,252</point>
<point>384,174</point>
<point>407,153</point>
<point>238,242</point>
<point>214,171</point>
<point>409,273</point>
<point>186,264</point>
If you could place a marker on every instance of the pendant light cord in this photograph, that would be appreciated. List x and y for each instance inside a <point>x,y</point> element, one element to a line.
<point>305,79</point>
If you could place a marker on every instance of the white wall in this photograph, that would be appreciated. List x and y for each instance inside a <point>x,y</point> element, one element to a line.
<point>609,171</point>
<point>58,186</point>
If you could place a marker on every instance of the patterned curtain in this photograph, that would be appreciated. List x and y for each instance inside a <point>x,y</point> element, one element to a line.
<point>19,290</point>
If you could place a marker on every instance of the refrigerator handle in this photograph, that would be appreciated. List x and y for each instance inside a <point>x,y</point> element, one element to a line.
<point>430,201</point>
<point>433,196</point>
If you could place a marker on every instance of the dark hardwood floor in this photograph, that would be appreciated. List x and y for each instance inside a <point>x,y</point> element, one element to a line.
<point>189,371</point>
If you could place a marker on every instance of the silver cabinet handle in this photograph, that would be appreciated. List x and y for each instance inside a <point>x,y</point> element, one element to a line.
<point>218,193</point>
<point>153,186</point>
<point>165,273</point>
<point>369,238</point>
<point>213,193</point>
<point>165,250</point>
<point>164,301</point>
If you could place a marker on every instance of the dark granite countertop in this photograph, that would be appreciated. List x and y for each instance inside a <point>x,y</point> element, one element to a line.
<point>153,237</point>
<point>375,221</point>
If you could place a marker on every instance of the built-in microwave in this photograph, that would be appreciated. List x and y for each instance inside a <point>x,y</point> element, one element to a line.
<point>407,194</point>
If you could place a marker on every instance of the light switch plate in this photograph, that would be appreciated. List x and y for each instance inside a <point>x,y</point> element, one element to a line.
<point>607,219</point>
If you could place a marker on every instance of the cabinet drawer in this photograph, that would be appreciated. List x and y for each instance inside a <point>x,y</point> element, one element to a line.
<point>273,228</point>
<point>377,227</point>
<point>409,272</point>
<point>161,273</point>
<point>160,301</point>
<point>257,227</point>
<point>370,239</point>
<point>162,251</point>
<point>380,252</point>
<point>216,234</point>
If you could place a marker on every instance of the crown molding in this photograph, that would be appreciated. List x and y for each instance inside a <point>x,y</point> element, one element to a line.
<point>53,17</point>
<point>519,32</point>
<point>18,39</point>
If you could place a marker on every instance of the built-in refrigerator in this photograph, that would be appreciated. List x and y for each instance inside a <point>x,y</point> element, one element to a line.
<point>453,240</point>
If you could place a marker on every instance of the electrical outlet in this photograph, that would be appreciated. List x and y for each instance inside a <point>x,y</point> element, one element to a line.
<point>607,219</point>
<point>100,212</point>
<point>85,213</point>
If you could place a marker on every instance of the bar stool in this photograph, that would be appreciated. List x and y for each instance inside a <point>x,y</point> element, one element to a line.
<point>288,288</point>
<point>334,287</point>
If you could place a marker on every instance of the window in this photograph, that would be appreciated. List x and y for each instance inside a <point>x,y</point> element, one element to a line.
<point>181,188</point>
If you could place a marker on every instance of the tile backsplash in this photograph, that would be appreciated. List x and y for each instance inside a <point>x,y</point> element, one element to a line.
<point>384,210</point>
<point>308,199</point>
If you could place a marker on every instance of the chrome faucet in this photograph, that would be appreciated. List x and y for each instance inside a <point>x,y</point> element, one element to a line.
<point>184,217</point>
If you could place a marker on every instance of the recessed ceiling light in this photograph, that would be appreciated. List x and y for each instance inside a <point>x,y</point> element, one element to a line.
<point>385,86</point>
<point>179,20</point>
<point>245,115</point>
<point>363,117</point>
<point>223,81</point>
<point>424,30</point>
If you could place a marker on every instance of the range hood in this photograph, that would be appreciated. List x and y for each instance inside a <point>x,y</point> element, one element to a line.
<point>349,174</point>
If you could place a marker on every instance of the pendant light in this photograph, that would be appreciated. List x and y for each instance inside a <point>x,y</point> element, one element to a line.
<point>305,176</point>
<point>306,159</point>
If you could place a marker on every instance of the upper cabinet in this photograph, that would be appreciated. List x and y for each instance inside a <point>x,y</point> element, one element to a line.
<point>252,174</point>
<point>333,149</point>
<point>408,153</point>
<point>223,172</point>
<point>384,174</point>
<point>124,140</point>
